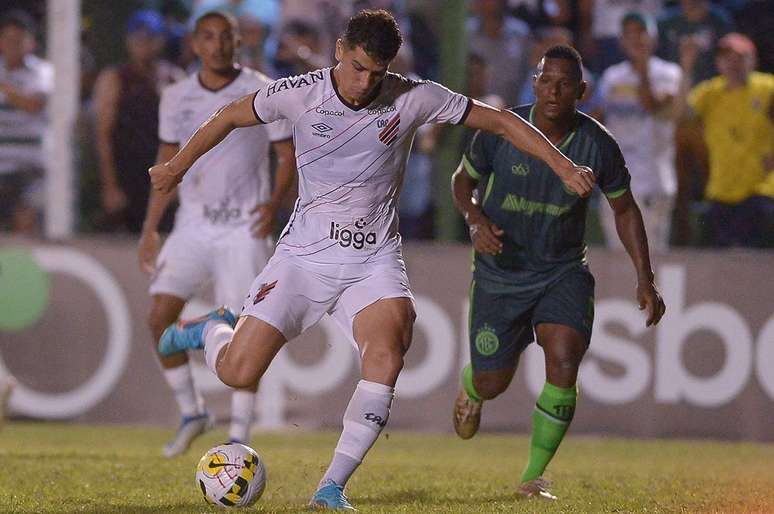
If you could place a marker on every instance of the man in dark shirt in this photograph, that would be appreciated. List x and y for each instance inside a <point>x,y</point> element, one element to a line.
<point>530,271</point>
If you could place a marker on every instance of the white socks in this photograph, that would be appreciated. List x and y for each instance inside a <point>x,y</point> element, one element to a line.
<point>242,407</point>
<point>181,382</point>
<point>364,419</point>
<point>216,336</point>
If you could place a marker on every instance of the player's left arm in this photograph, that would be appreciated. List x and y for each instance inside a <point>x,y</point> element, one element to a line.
<point>239,113</point>
<point>631,231</point>
<point>283,180</point>
<point>528,139</point>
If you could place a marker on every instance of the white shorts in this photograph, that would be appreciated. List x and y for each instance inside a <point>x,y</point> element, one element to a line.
<point>292,294</point>
<point>192,256</point>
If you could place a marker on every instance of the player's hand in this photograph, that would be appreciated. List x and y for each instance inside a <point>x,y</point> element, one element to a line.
<point>148,251</point>
<point>689,49</point>
<point>484,234</point>
<point>164,178</point>
<point>266,213</point>
<point>579,179</point>
<point>650,300</point>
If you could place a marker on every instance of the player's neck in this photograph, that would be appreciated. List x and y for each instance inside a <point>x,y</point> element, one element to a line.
<point>354,103</point>
<point>218,79</point>
<point>557,129</point>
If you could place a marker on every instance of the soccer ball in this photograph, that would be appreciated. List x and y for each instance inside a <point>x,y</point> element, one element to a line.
<point>231,475</point>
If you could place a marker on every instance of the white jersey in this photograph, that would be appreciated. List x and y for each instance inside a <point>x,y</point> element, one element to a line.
<point>351,160</point>
<point>606,15</point>
<point>646,140</point>
<point>228,181</point>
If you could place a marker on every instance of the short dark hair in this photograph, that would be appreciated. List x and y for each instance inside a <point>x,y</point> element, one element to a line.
<point>567,53</point>
<point>376,32</point>
<point>227,17</point>
<point>19,19</point>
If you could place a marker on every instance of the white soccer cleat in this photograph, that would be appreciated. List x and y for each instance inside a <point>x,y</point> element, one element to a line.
<point>190,428</point>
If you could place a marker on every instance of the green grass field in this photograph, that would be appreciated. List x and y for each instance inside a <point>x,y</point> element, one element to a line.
<point>61,468</point>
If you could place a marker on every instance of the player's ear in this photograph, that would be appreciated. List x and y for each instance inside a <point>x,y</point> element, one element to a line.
<point>339,54</point>
<point>582,89</point>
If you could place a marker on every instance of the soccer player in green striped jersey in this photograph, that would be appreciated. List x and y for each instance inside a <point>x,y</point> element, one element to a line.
<point>530,273</point>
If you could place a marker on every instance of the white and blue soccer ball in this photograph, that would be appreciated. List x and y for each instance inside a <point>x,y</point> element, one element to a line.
<point>231,475</point>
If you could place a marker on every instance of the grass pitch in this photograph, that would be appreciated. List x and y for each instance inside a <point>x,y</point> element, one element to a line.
<point>61,468</point>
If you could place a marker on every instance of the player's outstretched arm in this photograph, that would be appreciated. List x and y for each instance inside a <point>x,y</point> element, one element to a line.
<point>528,139</point>
<point>239,113</point>
<point>631,231</point>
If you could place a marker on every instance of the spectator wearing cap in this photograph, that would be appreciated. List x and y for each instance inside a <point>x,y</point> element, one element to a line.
<point>636,98</point>
<point>126,99</point>
<point>26,81</point>
<point>736,111</point>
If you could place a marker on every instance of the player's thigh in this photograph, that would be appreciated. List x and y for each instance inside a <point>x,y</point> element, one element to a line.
<point>377,305</point>
<point>563,323</point>
<point>499,328</point>
<point>290,296</point>
<point>182,265</point>
<point>239,259</point>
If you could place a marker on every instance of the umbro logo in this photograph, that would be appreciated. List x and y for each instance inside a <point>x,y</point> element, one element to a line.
<point>322,127</point>
<point>321,130</point>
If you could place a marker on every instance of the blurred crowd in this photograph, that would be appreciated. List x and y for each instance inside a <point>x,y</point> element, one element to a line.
<point>685,86</point>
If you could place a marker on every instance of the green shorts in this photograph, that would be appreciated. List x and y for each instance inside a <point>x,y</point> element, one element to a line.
<point>501,323</point>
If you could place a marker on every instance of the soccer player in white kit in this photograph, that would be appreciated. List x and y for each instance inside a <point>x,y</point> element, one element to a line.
<point>341,253</point>
<point>222,228</point>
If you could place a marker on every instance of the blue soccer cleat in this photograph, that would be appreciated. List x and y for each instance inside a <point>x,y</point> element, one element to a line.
<point>330,496</point>
<point>188,335</point>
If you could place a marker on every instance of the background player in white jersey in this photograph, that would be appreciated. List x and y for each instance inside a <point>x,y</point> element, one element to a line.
<point>636,104</point>
<point>223,226</point>
<point>340,253</point>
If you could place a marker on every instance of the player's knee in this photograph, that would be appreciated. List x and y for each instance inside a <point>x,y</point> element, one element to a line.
<point>489,388</point>
<point>240,377</point>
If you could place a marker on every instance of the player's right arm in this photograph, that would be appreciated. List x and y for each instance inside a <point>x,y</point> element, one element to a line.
<point>150,240</point>
<point>528,139</point>
<point>239,113</point>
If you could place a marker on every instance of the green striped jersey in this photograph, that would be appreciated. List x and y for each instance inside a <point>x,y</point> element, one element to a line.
<point>544,222</point>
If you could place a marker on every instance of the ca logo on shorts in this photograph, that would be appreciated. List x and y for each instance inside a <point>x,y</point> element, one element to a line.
<point>487,341</point>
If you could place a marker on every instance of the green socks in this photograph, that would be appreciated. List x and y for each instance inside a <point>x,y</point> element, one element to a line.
<point>467,383</point>
<point>552,416</point>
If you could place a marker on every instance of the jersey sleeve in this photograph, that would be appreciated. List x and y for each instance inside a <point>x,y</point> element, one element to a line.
<point>167,127</point>
<point>438,104</point>
<point>279,130</point>
<point>273,102</point>
<point>613,177</point>
<point>478,157</point>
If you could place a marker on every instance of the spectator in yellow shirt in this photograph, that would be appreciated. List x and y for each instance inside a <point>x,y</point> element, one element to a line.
<point>736,110</point>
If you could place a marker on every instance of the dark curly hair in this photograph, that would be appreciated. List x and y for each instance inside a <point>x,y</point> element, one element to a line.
<point>376,32</point>
<point>567,53</point>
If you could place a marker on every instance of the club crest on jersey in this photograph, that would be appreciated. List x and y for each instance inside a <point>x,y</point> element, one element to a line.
<point>390,129</point>
<point>264,291</point>
<point>356,238</point>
